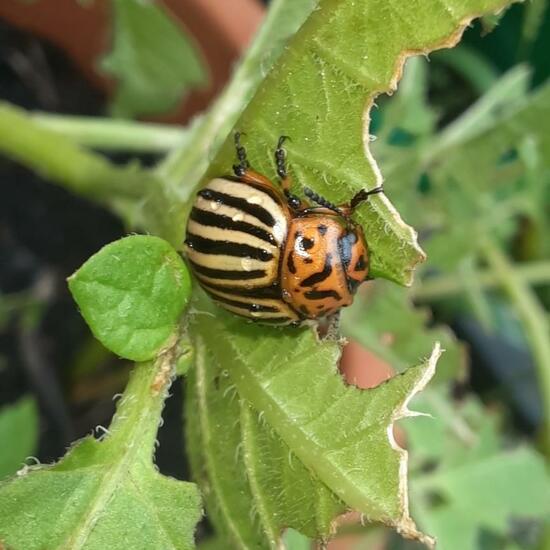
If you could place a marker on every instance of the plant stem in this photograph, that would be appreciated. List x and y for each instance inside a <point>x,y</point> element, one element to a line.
<point>190,163</point>
<point>60,160</point>
<point>533,318</point>
<point>509,90</point>
<point>475,295</point>
<point>139,410</point>
<point>437,288</point>
<point>473,67</point>
<point>114,135</point>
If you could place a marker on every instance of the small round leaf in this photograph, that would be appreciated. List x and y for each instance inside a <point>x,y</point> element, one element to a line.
<point>132,293</point>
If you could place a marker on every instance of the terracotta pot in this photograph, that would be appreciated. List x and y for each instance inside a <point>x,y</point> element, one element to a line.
<point>221,29</point>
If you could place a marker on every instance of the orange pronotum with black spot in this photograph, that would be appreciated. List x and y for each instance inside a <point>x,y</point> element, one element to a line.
<point>262,254</point>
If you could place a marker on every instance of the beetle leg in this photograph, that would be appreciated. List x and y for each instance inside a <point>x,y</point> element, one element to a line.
<point>280,159</point>
<point>362,196</point>
<point>243,164</point>
<point>282,172</point>
<point>242,170</point>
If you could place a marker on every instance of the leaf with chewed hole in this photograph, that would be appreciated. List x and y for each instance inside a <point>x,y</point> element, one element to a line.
<point>385,321</point>
<point>276,430</point>
<point>247,467</point>
<point>132,293</point>
<point>320,93</point>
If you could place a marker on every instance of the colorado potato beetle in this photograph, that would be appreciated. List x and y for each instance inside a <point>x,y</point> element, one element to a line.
<point>262,253</point>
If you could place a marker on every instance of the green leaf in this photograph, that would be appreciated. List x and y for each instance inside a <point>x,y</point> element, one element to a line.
<point>473,176</point>
<point>256,484</point>
<point>406,168</point>
<point>319,93</point>
<point>307,435</point>
<point>132,293</point>
<point>106,493</point>
<point>154,60</point>
<point>487,494</point>
<point>533,18</point>
<point>293,540</point>
<point>513,483</point>
<point>484,182</point>
<point>464,479</point>
<point>185,167</point>
<point>18,434</point>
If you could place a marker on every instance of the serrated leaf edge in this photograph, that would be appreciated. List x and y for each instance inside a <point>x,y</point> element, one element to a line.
<point>449,42</point>
<point>406,525</point>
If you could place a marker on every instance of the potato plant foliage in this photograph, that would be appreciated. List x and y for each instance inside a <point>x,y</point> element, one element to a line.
<point>275,438</point>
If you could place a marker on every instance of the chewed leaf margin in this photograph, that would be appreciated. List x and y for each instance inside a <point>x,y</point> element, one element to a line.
<point>406,526</point>
<point>343,435</point>
<point>329,146</point>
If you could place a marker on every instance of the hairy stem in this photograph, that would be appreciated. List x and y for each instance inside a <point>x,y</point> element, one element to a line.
<point>139,410</point>
<point>533,318</point>
<point>60,160</point>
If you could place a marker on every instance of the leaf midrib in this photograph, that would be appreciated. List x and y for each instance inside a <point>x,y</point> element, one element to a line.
<point>204,420</point>
<point>133,445</point>
<point>327,471</point>
<point>250,460</point>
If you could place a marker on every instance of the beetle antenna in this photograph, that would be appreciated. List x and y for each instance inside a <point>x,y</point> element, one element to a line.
<point>321,201</point>
<point>363,195</point>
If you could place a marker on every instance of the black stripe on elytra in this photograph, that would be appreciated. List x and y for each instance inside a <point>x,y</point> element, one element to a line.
<point>227,248</point>
<point>322,294</point>
<point>259,212</point>
<point>269,292</point>
<point>260,308</point>
<point>272,192</point>
<point>320,275</point>
<point>227,274</point>
<point>225,222</point>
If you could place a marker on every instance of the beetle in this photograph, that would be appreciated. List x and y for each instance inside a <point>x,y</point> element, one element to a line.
<point>262,253</point>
